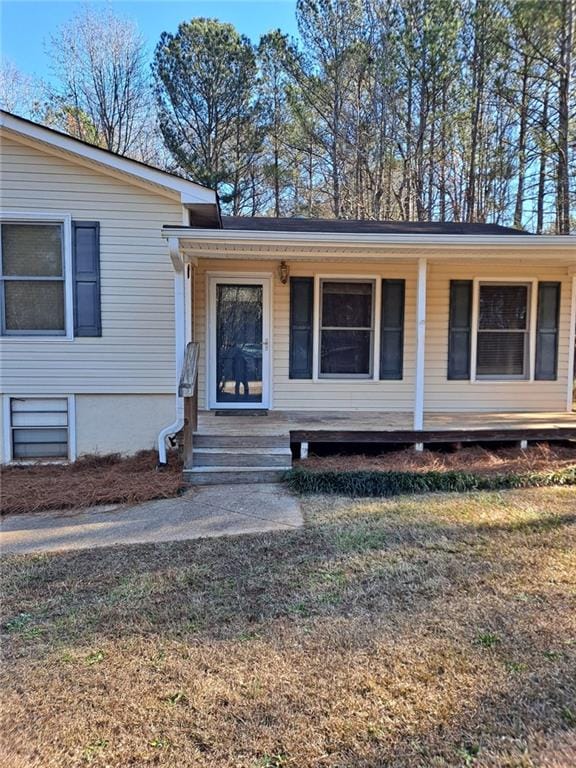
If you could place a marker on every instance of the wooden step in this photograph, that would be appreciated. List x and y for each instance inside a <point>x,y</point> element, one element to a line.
<point>242,457</point>
<point>232,475</point>
<point>204,440</point>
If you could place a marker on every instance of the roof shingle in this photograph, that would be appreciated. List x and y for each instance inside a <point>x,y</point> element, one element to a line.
<point>364,226</point>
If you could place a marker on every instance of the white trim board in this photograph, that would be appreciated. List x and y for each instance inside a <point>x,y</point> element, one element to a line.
<point>499,243</point>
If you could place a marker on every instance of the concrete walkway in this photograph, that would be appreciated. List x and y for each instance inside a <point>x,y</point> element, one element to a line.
<point>217,510</point>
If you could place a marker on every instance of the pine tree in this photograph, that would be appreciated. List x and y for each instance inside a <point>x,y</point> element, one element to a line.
<point>209,114</point>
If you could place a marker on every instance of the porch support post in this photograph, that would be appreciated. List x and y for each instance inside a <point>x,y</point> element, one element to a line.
<point>571,342</point>
<point>188,302</point>
<point>420,345</point>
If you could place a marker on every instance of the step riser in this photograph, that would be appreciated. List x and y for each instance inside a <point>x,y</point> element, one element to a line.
<point>239,441</point>
<point>202,459</point>
<point>232,478</point>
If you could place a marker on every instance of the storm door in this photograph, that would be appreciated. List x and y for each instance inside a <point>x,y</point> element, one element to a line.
<point>239,343</point>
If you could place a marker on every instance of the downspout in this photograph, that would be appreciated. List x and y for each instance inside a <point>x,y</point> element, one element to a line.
<point>180,342</point>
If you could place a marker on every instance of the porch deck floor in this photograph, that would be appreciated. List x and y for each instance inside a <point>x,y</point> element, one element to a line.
<point>284,422</point>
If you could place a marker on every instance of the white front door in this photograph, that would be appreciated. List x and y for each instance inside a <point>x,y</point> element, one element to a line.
<point>239,342</point>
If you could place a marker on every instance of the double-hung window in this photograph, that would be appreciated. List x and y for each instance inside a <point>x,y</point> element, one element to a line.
<point>32,279</point>
<point>347,311</point>
<point>503,331</point>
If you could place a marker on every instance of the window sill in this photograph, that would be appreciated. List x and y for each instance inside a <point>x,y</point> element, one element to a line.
<point>352,380</point>
<point>28,338</point>
<point>496,380</point>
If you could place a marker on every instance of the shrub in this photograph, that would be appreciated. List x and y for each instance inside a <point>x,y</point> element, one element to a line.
<point>366,483</point>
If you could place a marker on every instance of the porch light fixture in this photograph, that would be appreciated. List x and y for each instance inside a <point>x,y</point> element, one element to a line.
<point>284,272</point>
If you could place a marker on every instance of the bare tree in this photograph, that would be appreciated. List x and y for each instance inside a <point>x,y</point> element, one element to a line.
<point>19,93</point>
<point>103,93</point>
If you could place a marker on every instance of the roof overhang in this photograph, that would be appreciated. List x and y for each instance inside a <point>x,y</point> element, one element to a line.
<point>221,243</point>
<point>189,192</point>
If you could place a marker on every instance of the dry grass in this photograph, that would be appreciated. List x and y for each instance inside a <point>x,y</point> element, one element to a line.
<point>90,480</point>
<point>415,633</point>
<point>537,458</point>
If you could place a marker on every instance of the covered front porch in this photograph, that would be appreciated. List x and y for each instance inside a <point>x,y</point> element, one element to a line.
<point>262,319</point>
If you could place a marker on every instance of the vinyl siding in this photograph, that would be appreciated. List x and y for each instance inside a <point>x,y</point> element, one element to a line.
<point>136,351</point>
<point>305,394</point>
<point>444,395</point>
<point>440,394</point>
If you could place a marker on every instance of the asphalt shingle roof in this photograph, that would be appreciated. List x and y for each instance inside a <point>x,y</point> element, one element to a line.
<point>364,226</point>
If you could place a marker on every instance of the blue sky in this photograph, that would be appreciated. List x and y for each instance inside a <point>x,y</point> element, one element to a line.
<point>26,25</point>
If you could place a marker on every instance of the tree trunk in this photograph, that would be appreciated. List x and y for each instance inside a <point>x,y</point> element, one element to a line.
<point>542,168</point>
<point>407,180</point>
<point>518,210</point>
<point>478,65</point>
<point>568,15</point>
<point>443,153</point>
<point>276,179</point>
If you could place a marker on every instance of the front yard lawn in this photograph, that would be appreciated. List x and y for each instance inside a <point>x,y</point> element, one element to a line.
<point>424,631</point>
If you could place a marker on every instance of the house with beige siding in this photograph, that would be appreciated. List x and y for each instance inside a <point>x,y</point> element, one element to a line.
<point>132,312</point>
<point>87,349</point>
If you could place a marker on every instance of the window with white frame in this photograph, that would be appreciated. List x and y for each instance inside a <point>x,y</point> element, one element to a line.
<point>39,428</point>
<point>32,278</point>
<point>346,344</point>
<point>503,331</point>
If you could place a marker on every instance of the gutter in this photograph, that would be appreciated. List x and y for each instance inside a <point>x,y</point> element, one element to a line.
<point>367,240</point>
<point>180,344</point>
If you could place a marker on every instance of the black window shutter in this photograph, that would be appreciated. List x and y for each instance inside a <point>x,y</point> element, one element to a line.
<point>460,329</point>
<point>392,329</point>
<point>86,269</point>
<point>546,368</point>
<point>301,327</point>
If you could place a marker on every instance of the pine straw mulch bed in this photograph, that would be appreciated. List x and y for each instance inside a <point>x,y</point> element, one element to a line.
<point>89,481</point>
<point>421,632</point>
<point>542,457</point>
